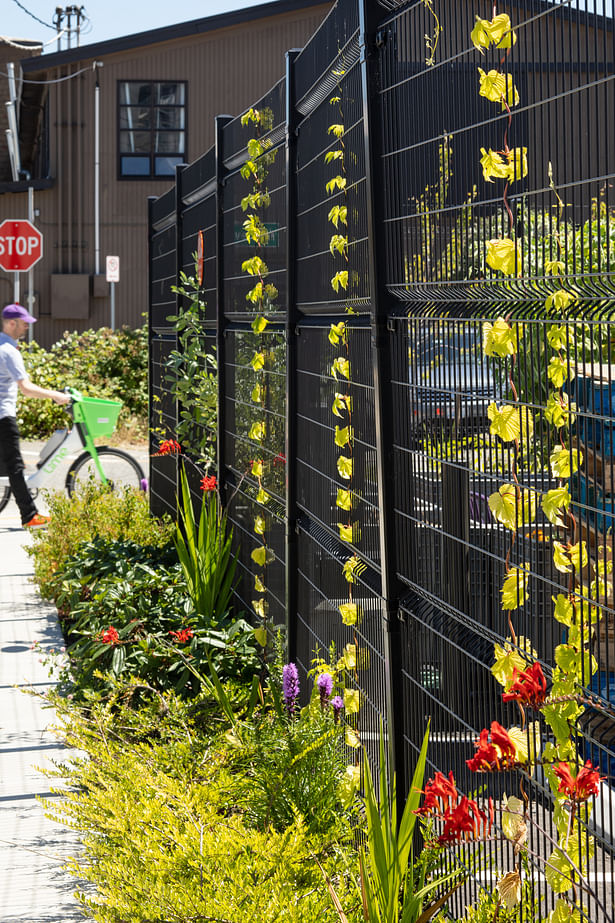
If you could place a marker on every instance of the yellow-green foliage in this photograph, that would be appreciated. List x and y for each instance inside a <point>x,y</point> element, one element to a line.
<point>162,843</point>
<point>95,511</point>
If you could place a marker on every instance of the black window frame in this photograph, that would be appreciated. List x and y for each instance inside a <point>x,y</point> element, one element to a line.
<point>183,157</point>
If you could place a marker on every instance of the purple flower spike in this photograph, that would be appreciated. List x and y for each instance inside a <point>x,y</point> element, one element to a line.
<point>337,704</point>
<point>144,485</point>
<point>290,686</point>
<point>325,687</point>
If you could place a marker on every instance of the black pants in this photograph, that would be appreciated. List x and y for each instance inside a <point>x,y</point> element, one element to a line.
<point>13,466</point>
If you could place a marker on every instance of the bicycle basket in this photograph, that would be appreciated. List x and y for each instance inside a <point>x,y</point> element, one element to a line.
<point>98,415</point>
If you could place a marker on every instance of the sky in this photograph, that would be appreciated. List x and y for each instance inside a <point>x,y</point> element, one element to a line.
<point>106,18</point>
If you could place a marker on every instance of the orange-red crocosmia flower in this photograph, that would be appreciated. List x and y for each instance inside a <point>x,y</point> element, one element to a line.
<point>183,635</point>
<point>440,794</point>
<point>583,786</point>
<point>495,754</point>
<point>529,687</point>
<point>169,447</point>
<point>466,822</point>
<point>110,635</point>
<point>208,483</point>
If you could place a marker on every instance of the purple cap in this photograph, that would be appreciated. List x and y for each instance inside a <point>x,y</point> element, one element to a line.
<point>17,312</point>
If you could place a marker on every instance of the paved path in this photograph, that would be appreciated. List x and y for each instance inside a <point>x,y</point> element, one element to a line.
<point>33,887</point>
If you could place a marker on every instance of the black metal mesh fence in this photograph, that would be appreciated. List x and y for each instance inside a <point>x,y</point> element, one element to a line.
<point>435,506</point>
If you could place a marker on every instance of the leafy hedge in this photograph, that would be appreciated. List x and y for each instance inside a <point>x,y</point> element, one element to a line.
<point>101,363</point>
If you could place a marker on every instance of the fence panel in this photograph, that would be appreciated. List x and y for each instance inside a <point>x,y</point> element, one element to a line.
<point>367,426</point>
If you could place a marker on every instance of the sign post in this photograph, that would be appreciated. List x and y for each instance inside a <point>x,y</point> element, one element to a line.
<point>113,276</point>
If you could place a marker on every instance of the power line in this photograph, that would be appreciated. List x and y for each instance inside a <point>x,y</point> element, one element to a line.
<point>58,79</point>
<point>42,22</point>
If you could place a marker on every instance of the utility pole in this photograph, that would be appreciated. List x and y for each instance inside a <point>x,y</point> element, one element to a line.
<point>67,15</point>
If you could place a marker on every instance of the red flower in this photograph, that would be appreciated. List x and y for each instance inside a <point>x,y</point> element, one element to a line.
<point>442,788</point>
<point>583,786</point>
<point>208,483</point>
<point>110,635</point>
<point>529,687</point>
<point>496,755</point>
<point>466,821</point>
<point>183,635</point>
<point>168,447</point>
<point>279,459</point>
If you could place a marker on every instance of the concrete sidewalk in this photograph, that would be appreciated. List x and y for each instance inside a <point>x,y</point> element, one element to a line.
<point>33,887</point>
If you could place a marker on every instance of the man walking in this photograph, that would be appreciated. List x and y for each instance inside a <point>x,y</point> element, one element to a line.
<point>13,375</point>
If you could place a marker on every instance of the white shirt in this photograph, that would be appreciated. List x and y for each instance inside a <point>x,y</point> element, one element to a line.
<point>12,370</point>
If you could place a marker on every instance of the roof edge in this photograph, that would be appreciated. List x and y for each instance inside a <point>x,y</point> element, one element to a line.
<point>166,33</point>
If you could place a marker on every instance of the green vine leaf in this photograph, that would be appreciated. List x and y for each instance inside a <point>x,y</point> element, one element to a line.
<point>338,244</point>
<point>498,88</point>
<point>333,155</point>
<point>344,500</point>
<point>258,361</point>
<point>343,436</point>
<point>261,607</point>
<point>257,394</point>
<point>569,558</point>
<point>338,332</point>
<point>337,130</point>
<point>340,279</point>
<point>504,255</point>
<point>560,300</point>
<point>349,613</point>
<point>515,587</point>
<point>554,267</point>
<point>558,410</point>
<point>499,338</point>
<point>338,214</point>
<point>565,462</point>
<point>344,467</point>
<point>497,31</point>
<point>260,525</point>
<point>505,421</point>
<point>257,432</point>
<point>259,586</point>
<point>259,323</point>
<point>564,913</point>
<point>341,366</point>
<point>336,182</point>
<point>257,469</point>
<point>352,570</point>
<point>346,531</point>
<point>261,636</point>
<point>262,496</point>
<point>508,658</point>
<point>513,506</point>
<point>352,701</point>
<point>553,502</point>
<point>263,556</point>
<point>255,266</point>
<point>341,404</point>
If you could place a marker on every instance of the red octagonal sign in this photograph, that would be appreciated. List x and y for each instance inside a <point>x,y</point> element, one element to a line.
<point>21,245</point>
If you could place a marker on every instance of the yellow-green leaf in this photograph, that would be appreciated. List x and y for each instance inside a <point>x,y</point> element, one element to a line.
<point>259,586</point>
<point>261,636</point>
<point>344,467</point>
<point>259,323</point>
<point>261,607</point>
<point>257,469</point>
<point>343,436</point>
<point>259,555</point>
<point>498,88</point>
<point>340,279</point>
<point>553,502</point>
<point>515,588</point>
<point>507,658</point>
<point>565,462</point>
<point>505,421</point>
<point>352,701</point>
<point>259,525</point>
<point>504,255</point>
<point>493,165</point>
<point>351,738</point>
<point>513,506</point>
<point>257,432</point>
<point>341,366</point>
<point>349,613</point>
<point>345,532</point>
<point>513,820</point>
<point>262,496</point>
<point>350,656</point>
<point>558,371</point>
<point>337,332</point>
<point>499,339</point>
<point>257,394</point>
<point>349,785</point>
<point>258,361</point>
<point>516,164</point>
<point>560,300</point>
<point>344,499</point>
<point>554,267</point>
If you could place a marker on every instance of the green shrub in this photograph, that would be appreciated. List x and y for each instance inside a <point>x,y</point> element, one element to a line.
<point>146,795</point>
<point>94,511</point>
<point>101,363</point>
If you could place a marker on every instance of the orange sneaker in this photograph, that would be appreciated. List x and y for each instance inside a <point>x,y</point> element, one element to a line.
<point>37,522</point>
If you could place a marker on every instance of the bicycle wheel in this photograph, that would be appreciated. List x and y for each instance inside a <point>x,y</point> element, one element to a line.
<point>121,470</point>
<point>5,496</point>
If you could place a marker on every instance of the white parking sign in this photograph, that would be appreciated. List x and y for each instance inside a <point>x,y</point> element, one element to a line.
<point>113,269</point>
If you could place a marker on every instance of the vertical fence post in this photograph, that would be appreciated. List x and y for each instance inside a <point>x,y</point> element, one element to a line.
<point>150,335</point>
<point>292,320</point>
<point>220,122</point>
<point>179,251</point>
<point>383,398</point>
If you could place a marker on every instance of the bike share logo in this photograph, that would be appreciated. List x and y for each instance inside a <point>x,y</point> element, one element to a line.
<point>53,464</point>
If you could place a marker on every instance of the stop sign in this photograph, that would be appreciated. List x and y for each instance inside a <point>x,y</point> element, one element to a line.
<point>21,245</point>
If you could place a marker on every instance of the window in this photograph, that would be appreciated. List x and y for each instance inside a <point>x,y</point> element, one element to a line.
<point>152,128</point>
